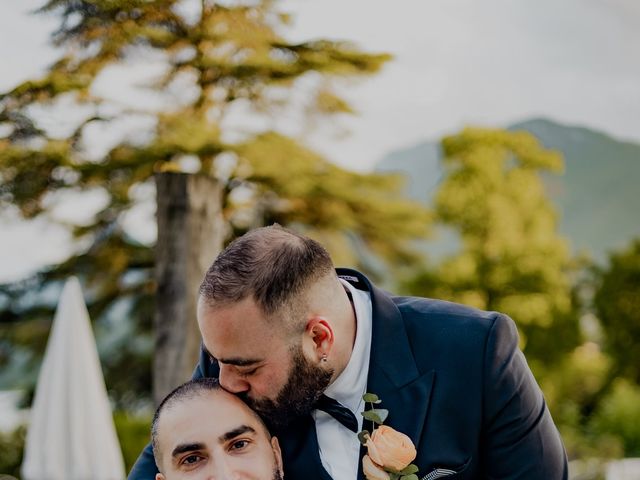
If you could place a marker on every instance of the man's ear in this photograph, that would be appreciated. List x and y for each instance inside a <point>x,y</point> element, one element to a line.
<point>275,445</point>
<point>159,476</point>
<point>320,332</point>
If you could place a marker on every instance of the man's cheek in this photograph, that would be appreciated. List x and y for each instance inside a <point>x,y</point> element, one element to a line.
<point>268,386</point>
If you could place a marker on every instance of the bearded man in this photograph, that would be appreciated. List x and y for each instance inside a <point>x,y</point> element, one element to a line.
<point>301,342</point>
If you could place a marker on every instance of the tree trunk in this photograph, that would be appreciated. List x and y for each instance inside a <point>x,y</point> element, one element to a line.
<point>190,235</point>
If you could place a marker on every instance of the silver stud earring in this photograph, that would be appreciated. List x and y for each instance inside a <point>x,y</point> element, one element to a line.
<point>324,357</point>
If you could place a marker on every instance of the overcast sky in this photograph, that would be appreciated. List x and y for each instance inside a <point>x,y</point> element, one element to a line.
<point>489,62</point>
<point>457,62</point>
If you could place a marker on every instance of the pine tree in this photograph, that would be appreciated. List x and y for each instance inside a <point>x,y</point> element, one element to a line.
<point>217,60</point>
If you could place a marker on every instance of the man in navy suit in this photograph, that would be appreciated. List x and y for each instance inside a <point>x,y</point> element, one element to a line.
<point>301,342</point>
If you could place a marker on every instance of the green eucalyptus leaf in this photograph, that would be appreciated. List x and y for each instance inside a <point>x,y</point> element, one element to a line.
<point>409,469</point>
<point>363,436</point>
<point>383,413</point>
<point>371,398</point>
<point>371,415</point>
<point>376,415</point>
<point>413,476</point>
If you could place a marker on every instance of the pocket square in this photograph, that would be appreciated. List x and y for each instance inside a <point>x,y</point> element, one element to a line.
<point>438,473</point>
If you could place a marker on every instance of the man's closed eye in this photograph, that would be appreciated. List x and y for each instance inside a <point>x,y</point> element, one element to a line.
<point>248,373</point>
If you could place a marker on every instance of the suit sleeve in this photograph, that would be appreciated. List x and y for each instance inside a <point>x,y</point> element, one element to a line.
<point>145,466</point>
<point>519,438</point>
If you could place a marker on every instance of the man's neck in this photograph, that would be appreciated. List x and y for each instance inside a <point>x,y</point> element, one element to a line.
<point>345,334</point>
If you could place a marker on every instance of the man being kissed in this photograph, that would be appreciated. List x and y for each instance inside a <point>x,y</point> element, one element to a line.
<point>202,432</point>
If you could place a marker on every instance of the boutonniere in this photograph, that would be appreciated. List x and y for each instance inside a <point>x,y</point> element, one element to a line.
<point>389,452</point>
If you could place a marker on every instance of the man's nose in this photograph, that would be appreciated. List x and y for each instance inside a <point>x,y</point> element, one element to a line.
<point>231,381</point>
<point>221,470</point>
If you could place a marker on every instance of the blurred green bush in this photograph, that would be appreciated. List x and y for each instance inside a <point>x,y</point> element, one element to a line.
<point>619,415</point>
<point>612,430</point>
<point>133,434</point>
<point>11,449</point>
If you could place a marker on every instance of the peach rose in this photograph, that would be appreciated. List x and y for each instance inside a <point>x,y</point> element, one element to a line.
<point>390,449</point>
<point>372,471</point>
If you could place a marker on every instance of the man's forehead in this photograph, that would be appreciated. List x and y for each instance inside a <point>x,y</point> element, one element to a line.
<point>239,318</point>
<point>206,410</point>
<point>238,332</point>
<point>212,307</point>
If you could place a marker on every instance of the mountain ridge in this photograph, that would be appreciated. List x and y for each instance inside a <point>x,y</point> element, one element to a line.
<point>596,197</point>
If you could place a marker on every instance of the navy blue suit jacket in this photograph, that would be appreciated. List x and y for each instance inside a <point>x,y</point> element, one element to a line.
<point>454,380</point>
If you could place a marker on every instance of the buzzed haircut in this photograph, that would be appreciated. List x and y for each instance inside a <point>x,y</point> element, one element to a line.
<point>272,264</point>
<point>186,391</point>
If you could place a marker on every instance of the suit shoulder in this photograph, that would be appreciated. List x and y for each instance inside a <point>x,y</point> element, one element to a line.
<point>448,336</point>
<point>446,324</point>
<point>418,309</point>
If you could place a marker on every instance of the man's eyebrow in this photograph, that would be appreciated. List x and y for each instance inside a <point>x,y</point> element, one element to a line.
<point>239,362</point>
<point>187,447</point>
<point>231,434</point>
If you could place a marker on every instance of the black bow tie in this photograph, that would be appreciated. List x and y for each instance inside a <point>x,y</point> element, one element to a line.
<point>338,411</point>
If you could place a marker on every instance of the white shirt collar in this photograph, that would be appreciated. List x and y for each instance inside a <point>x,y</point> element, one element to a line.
<point>351,384</point>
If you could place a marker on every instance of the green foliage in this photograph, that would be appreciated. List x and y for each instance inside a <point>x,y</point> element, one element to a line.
<point>617,303</point>
<point>594,391</point>
<point>567,387</point>
<point>612,431</point>
<point>134,433</point>
<point>329,200</point>
<point>615,291</point>
<point>409,470</point>
<point>376,415</point>
<point>11,451</point>
<point>511,259</point>
<point>411,476</point>
<point>229,57</point>
<point>618,415</point>
<point>574,380</point>
<point>404,476</point>
<point>371,398</point>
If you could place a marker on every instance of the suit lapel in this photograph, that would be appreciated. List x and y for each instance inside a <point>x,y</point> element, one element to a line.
<point>300,452</point>
<point>393,374</point>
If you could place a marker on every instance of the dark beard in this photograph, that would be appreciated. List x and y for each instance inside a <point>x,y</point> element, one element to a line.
<point>276,475</point>
<point>297,398</point>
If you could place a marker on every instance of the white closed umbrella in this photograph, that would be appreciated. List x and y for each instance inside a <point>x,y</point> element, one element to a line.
<point>71,435</point>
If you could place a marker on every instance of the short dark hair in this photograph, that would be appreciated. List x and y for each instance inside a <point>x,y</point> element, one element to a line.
<point>273,264</point>
<point>187,390</point>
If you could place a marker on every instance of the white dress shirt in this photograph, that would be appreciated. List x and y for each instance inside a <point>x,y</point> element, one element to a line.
<point>339,446</point>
